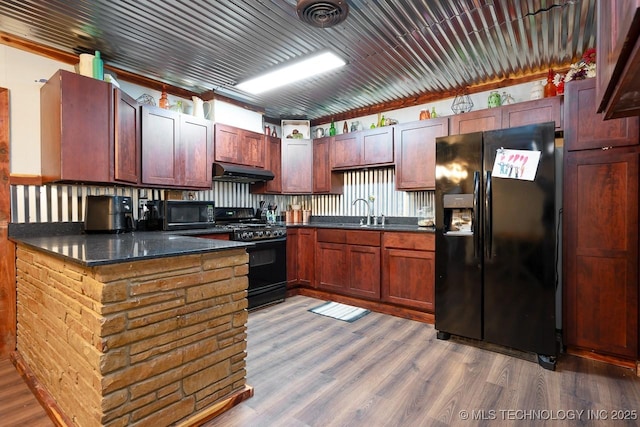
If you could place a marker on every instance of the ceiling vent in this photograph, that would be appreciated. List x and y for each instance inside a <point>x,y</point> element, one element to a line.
<point>322,13</point>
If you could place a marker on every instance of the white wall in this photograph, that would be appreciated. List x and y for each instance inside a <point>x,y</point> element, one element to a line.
<point>24,73</point>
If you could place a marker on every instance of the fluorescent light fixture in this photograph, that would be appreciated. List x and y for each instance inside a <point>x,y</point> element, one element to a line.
<point>292,73</point>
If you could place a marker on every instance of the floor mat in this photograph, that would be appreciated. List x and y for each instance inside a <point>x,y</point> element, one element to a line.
<point>336,310</point>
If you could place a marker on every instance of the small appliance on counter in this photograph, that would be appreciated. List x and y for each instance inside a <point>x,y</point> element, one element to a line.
<point>178,215</point>
<point>108,214</point>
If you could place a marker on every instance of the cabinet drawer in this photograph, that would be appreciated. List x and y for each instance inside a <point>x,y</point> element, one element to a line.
<point>363,238</point>
<point>418,241</point>
<point>331,236</point>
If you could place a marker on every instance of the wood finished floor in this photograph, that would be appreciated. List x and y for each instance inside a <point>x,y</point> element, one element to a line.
<point>310,370</point>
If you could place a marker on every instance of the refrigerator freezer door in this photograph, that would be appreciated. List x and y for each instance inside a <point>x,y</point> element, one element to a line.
<point>519,266</point>
<point>458,292</point>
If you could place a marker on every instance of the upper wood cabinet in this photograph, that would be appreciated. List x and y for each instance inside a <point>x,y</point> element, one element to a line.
<point>89,131</point>
<point>273,162</point>
<point>297,166</point>
<point>618,58</point>
<point>533,112</point>
<point>415,145</point>
<point>176,149</point>
<point>362,149</point>
<point>324,180</point>
<point>585,128</point>
<point>476,121</point>
<point>239,146</point>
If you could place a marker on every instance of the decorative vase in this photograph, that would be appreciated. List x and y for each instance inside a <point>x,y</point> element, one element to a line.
<point>494,99</point>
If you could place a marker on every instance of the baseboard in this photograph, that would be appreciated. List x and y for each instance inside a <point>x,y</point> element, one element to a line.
<point>379,307</point>
<point>209,413</point>
<point>618,361</point>
<point>61,420</point>
<point>46,400</point>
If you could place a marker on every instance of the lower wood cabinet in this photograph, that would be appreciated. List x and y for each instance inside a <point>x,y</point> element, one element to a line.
<point>408,269</point>
<point>301,249</point>
<point>348,262</point>
<point>600,299</point>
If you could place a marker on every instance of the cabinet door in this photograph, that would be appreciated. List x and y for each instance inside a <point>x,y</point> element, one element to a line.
<point>160,146</point>
<point>297,166</point>
<point>533,112</point>
<point>306,253</point>
<point>618,58</point>
<point>364,271</point>
<point>601,251</point>
<point>346,150</point>
<point>127,132</point>
<point>586,129</point>
<point>324,181</point>
<point>416,153</point>
<point>76,129</point>
<point>377,147</point>
<point>252,145</point>
<point>332,272</point>
<point>196,141</point>
<point>476,121</point>
<point>408,278</point>
<point>274,164</point>
<point>292,258</point>
<point>227,144</point>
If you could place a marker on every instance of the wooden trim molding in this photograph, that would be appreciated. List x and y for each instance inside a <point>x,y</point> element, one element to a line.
<point>7,248</point>
<point>72,58</point>
<point>18,179</point>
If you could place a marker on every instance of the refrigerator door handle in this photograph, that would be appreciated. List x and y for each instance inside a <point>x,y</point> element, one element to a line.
<point>476,214</point>
<point>488,216</point>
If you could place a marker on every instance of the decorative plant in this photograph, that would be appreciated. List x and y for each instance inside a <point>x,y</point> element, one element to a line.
<point>584,68</point>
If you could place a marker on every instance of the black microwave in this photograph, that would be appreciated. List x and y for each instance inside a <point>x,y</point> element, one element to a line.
<point>181,214</point>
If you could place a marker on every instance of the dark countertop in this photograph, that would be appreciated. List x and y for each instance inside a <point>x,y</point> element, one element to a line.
<point>409,224</point>
<point>101,249</point>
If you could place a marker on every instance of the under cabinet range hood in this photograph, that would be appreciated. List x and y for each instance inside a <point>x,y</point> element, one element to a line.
<point>229,172</point>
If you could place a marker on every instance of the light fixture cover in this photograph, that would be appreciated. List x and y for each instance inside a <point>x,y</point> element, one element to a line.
<point>297,71</point>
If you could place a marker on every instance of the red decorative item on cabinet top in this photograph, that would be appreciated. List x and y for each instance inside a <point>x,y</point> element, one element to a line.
<point>550,88</point>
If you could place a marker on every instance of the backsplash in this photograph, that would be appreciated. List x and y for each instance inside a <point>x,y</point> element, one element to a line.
<point>65,203</point>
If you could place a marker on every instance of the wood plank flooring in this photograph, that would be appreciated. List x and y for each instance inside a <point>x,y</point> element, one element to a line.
<point>308,370</point>
<point>18,406</point>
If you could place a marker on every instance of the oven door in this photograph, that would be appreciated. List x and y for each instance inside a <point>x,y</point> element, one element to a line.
<point>267,272</point>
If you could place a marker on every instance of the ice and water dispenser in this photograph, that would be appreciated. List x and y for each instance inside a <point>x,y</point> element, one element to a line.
<point>458,213</point>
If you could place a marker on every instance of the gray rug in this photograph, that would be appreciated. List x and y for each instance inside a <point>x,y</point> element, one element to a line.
<point>336,310</point>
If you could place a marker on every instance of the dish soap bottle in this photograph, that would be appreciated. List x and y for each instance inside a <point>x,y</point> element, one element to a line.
<point>332,129</point>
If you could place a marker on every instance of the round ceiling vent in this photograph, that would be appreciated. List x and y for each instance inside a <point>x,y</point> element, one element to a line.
<point>322,13</point>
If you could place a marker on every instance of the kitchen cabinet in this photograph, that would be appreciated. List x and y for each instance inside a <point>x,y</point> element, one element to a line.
<point>600,227</point>
<point>273,162</point>
<point>89,131</point>
<point>348,262</point>
<point>239,146</point>
<point>586,129</point>
<point>618,58</point>
<point>415,145</point>
<point>533,112</point>
<point>408,269</point>
<point>297,166</point>
<point>301,244</point>
<point>476,121</point>
<point>176,149</point>
<point>363,149</point>
<point>324,180</point>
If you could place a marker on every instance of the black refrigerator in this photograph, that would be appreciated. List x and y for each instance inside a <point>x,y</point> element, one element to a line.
<point>496,239</point>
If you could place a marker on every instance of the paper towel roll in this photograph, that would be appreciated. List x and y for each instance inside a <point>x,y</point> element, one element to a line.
<point>86,64</point>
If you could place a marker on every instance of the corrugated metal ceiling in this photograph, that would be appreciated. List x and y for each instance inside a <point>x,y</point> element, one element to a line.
<point>395,49</point>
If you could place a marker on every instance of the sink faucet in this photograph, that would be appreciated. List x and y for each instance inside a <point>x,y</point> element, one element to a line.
<point>369,208</point>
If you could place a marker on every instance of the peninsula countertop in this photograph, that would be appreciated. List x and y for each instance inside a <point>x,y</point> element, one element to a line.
<point>100,249</point>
